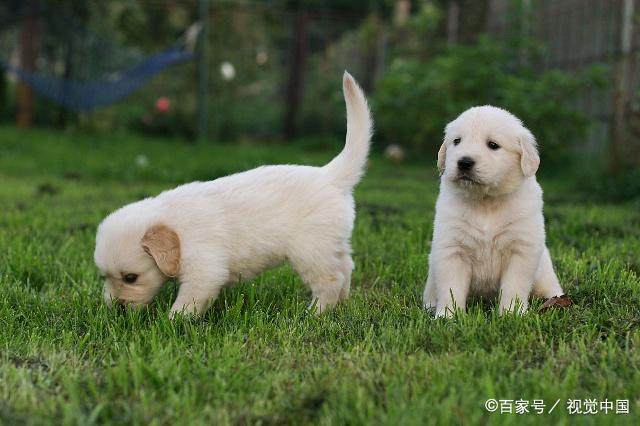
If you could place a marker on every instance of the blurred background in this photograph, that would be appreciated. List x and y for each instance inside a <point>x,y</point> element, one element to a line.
<point>103,103</point>
<point>211,71</point>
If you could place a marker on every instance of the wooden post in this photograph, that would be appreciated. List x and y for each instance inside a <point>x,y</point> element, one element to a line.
<point>493,17</point>
<point>401,12</point>
<point>296,75</point>
<point>453,21</point>
<point>203,71</point>
<point>4,101</point>
<point>525,31</point>
<point>371,53</point>
<point>622,91</point>
<point>28,53</point>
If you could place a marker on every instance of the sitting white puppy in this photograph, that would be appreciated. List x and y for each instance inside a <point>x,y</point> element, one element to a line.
<point>489,230</point>
<point>212,234</point>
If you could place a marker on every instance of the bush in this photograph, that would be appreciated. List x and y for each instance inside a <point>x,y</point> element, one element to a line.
<point>596,183</point>
<point>417,97</point>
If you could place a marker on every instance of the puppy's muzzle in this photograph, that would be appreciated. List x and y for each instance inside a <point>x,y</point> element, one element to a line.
<point>465,164</point>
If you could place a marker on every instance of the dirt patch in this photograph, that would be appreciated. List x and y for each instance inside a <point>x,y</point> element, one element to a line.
<point>29,363</point>
<point>47,189</point>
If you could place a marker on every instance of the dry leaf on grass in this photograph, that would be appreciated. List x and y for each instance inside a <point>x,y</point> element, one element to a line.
<point>563,301</point>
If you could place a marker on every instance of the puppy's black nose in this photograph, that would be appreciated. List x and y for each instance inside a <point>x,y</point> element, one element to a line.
<point>466,163</point>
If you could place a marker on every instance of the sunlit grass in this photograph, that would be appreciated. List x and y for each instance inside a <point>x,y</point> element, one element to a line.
<point>257,356</point>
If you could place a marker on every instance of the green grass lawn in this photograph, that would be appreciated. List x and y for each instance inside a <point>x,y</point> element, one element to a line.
<point>258,356</point>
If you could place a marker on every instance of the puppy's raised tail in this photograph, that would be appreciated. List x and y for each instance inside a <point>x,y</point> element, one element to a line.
<point>347,168</point>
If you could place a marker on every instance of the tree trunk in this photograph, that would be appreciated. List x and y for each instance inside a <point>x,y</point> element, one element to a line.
<point>295,85</point>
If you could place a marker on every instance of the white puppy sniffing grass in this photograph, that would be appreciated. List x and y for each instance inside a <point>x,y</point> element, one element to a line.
<point>489,230</point>
<point>212,234</point>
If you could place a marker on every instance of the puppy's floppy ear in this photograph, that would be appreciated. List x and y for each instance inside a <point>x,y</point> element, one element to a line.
<point>163,244</point>
<point>529,158</point>
<point>442,157</point>
<point>442,152</point>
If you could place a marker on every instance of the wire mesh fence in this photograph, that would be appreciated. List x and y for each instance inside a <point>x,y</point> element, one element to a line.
<point>577,34</point>
<point>274,70</point>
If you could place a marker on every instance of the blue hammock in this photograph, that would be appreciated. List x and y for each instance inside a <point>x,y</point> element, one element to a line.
<point>83,96</point>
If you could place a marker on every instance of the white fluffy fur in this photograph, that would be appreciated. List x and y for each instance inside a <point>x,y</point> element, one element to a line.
<point>232,228</point>
<point>489,230</point>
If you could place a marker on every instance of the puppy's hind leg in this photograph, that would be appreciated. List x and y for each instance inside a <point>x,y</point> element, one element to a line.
<point>347,268</point>
<point>429,300</point>
<point>323,272</point>
<point>546,282</point>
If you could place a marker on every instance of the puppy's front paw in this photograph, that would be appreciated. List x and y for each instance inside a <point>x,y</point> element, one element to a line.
<point>174,314</point>
<point>429,305</point>
<point>317,308</point>
<point>445,312</point>
<point>514,306</point>
<point>182,310</point>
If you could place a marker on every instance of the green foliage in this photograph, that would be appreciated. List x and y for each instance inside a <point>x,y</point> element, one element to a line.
<point>257,356</point>
<point>323,109</point>
<point>425,21</point>
<point>417,97</point>
<point>597,183</point>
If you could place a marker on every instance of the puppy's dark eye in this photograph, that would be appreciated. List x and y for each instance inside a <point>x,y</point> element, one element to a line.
<point>456,141</point>
<point>130,278</point>
<point>492,145</point>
